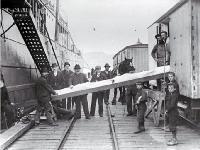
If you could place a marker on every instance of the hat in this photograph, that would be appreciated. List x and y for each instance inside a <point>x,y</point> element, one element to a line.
<point>66,63</point>
<point>172,73</point>
<point>44,69</point>
<point>107,65</point>
<point>54,65</point>
<point>77,66</point>
<point>98,67</point>
<point>157,35</point>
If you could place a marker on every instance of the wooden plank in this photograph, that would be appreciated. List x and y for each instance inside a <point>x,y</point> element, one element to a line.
<point>123,80</point>
<point>13,133</point>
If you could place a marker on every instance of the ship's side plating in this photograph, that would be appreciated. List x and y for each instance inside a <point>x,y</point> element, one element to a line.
<point>17,65</point>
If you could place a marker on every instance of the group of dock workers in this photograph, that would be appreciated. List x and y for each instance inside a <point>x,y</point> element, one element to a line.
<point>136,97</point>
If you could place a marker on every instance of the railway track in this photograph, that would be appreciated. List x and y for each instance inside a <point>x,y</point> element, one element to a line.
<point>113,131</point>
<point>97,133</point>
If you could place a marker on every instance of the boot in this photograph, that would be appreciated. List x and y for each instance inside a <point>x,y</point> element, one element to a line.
<point>140,128</point>
<point>172,142</point>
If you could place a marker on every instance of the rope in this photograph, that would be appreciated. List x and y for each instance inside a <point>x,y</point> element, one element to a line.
<point>164,82</point>
<point>52,46</point>
<point>3,34</point>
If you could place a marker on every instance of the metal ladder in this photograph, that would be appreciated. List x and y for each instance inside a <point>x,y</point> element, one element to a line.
<point>25,22</point>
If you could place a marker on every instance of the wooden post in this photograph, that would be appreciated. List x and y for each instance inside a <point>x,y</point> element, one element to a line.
<point>56,22</point>
<point>1,41</point>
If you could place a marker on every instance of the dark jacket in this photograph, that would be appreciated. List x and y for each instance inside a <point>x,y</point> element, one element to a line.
<point>56,81</point>
<point>171,101</point>
<point>66,76</point>
<point>142,93</point>
<point>176,86</point>
<point>78,79</point>
<point>108,74</point>
<point>98,78</point>
<point>43,89</point>
<point>159,53</point>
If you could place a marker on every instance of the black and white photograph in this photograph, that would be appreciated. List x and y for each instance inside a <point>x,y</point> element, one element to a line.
<point>100,74</point>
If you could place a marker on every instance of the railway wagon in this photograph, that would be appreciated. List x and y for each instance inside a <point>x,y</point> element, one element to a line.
<point>138,52</point>
<point>17,64</point>
<point>182,22</point>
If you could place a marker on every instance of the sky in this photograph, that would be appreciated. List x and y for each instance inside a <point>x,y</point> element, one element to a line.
<point>110,25</point>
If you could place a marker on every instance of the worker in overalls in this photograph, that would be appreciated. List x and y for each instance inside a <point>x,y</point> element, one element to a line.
<point>98,76</point>
<point>108,75</point>
<point>43,93</point>
<point>78,78</point>
<point>141,99</point>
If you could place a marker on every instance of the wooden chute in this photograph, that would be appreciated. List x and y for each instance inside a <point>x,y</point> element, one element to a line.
<point>118,81</point>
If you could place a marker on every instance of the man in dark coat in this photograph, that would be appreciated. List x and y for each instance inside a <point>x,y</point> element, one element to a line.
<point>43,92</point>
<point>67,73</point>
<point>141,99</point>
<point>78,78</point>
<point>8,117</point>
<point>172,111</point>
<point>108,75</point>
<point>98,76</point>
<point>56,80</point>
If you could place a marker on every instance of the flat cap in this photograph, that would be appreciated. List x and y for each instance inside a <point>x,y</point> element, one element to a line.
<point>77,66</point>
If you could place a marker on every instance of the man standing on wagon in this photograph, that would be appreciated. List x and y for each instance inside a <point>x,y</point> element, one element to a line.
<point>161,53</point>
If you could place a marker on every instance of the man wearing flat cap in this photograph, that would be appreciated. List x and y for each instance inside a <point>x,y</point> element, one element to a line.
<point>78,78</point>
<point>97,76</point>
<point>108,75</point>
<point>67,73</point>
